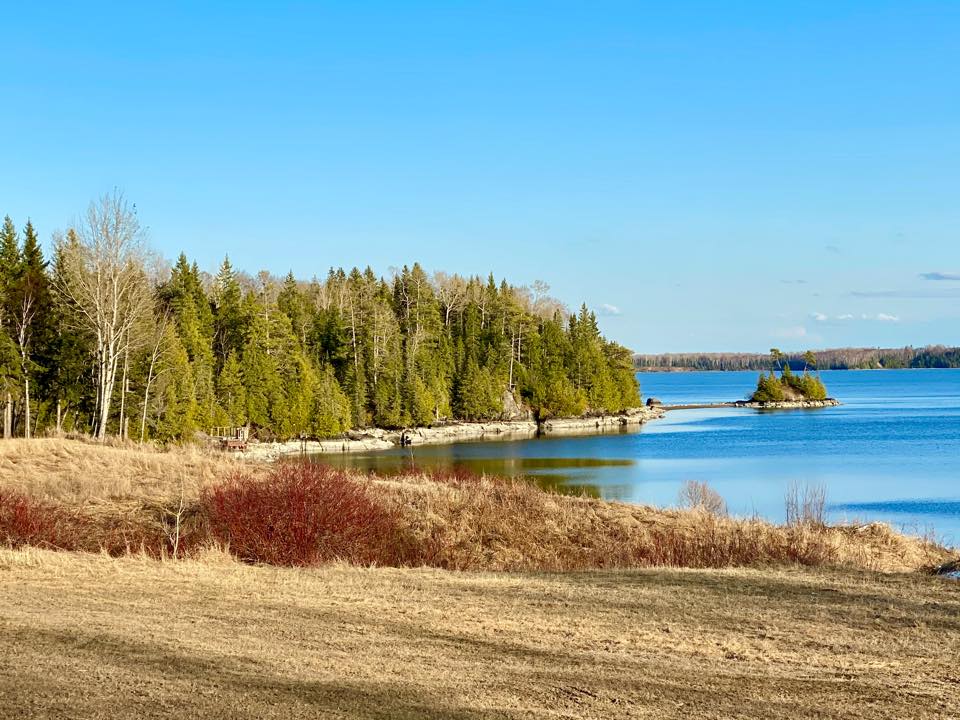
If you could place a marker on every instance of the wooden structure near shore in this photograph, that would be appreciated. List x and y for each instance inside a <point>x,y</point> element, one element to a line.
<point>231,438</point>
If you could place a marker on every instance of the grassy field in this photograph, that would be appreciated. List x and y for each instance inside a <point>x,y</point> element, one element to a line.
<point>88,636</point>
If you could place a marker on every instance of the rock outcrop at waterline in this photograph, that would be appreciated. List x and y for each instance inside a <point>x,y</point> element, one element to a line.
<point>377,439</point>
<point>787,404</point>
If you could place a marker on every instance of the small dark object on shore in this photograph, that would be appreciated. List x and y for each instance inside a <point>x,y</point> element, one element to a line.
<point>949,569</point>
<point>653,402</point>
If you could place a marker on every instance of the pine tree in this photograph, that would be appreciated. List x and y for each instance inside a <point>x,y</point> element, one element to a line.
<point>29,299</point>
<point>176,399</point>
<point>230,321</point>
<point>331,407</point>
<point>231,394</point>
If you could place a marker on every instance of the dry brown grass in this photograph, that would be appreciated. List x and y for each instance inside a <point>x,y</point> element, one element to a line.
<point>464,523</point>
<point>77,472</point>
<point>85,636</point>
<point>496,524</point>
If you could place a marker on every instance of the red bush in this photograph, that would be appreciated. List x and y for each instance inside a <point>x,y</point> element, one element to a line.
<point>28,522</point>
<point>303,514</point>
<point>24,521</point>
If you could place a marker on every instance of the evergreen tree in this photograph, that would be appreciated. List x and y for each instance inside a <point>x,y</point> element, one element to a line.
<point>331,407</point>
<point>176,400</point>
<point>231,394</point>
<point>230,321</point>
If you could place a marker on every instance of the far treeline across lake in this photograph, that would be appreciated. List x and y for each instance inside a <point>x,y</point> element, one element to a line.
<point>932,356</point>
<point>102,339</point>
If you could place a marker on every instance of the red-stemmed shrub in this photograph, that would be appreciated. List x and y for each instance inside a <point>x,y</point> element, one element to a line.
<point>24,521</point>
<point>303,514</point>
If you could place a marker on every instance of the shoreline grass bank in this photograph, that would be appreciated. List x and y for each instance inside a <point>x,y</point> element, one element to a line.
<point>79,496</point>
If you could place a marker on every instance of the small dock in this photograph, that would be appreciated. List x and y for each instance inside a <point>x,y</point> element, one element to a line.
<point>231,439</point>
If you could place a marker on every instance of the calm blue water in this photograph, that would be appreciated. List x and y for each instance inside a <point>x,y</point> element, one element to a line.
<point>891,452</point>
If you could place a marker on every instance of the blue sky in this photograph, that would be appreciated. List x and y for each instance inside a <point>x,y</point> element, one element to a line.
<point>707,176</point>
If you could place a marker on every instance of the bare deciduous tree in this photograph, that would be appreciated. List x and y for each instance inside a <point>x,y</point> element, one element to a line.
<point>451,291</point>
<point>104,278</point>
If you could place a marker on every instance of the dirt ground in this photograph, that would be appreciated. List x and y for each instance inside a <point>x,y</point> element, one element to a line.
<point>87,636</point>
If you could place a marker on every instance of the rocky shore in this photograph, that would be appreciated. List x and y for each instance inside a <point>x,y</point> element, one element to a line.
<point>787,404</point>
<point>359,441</point>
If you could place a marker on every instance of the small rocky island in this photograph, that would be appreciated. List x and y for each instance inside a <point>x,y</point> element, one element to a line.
<point>789,389</point>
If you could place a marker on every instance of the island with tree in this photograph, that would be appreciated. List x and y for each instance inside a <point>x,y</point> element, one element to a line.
<point>790,389</point>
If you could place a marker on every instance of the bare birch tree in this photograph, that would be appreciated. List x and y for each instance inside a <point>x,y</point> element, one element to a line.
<point>104,278</point>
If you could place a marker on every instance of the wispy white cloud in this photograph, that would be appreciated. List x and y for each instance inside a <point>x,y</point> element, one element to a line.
<point>881,317</point>
<point>940,276</point>
<point>608,310</point>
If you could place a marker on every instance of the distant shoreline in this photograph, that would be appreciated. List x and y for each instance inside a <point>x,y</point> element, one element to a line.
<point>668,370</point>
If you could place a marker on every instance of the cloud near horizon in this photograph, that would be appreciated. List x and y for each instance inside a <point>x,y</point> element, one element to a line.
<point>940,276</point>
<point>880,317</point>
<point>608,310</point>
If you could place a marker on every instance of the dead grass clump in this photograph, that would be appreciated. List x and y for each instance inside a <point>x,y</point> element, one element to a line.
<point>697,495</point>
<point>302,514</point>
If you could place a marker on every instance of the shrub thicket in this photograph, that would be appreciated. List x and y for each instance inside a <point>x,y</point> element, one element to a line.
<point>303,514</point>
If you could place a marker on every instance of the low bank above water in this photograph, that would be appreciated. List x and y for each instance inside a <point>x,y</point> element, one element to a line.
<point>361,441</point>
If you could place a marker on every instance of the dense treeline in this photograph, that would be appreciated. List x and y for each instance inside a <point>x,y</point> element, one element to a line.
<point>932,356</point>
<point>100,340</point>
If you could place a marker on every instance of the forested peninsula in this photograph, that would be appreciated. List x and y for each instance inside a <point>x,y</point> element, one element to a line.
<point>105,338</point>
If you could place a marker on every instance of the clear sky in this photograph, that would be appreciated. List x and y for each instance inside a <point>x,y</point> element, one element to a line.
<point>707,176</point>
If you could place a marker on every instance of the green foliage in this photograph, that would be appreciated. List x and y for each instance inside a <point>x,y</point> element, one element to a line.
<point>769,389</point>
<point>291,358</point>
<point>789,386</point>
<point>231,393</point>
<point>331,407</point>
<point>178,405</point>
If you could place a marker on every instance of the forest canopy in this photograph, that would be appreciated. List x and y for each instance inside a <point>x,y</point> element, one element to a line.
<point>100,339</point>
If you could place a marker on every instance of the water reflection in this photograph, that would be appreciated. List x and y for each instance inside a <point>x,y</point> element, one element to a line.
<point>891,452</point>
<point>569,475</point>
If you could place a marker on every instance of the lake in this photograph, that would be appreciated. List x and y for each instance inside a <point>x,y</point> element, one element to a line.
<point>891,452</point>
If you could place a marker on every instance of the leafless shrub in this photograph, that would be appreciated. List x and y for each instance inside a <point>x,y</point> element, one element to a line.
<point>698,495</point>
<point>806,504</point>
